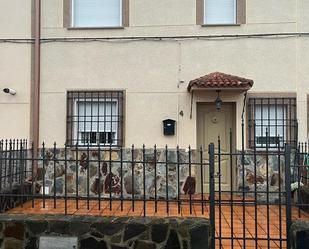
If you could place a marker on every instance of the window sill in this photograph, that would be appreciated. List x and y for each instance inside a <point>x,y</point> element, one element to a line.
<point>221,25</point>
<point>94,148</point>
<point>93,28</point>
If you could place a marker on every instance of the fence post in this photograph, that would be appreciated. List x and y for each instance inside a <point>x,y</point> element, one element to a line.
<point>211,151</point>
<point>287,154</point>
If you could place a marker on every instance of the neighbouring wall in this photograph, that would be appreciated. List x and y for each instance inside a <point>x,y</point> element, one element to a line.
<point>25,231</point>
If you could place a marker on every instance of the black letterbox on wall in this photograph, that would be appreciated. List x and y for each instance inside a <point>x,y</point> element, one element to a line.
<point>169,127</point>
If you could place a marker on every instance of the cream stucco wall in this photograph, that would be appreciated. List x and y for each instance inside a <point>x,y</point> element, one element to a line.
<point>152,72</point>
<point>15,68</point>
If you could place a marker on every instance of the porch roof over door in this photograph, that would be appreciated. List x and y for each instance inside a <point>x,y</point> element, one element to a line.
<point>218,81</point>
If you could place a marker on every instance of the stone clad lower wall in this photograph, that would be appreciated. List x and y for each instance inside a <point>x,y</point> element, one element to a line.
<point>262,172</point>
<point>106,170</point>
<point>22,231</point>
<point>102,173</point>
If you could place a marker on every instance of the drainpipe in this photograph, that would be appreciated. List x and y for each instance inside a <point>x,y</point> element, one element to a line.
<point>35,105</point>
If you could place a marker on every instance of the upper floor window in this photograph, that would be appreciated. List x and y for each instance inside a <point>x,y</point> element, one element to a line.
<point>272,122</point>
<point>95,118</point>
<point>220,12</point>
<point>96,13</point>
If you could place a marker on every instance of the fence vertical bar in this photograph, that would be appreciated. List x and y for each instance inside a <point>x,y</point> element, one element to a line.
<point>267,186</point>
<point>155,177</point>
<point>243,181</point>
<point>287,154</point>
<point>26,159</point>
<point>13,165</point>
<point>76,172</point>
<point>255,186</point>
<point>190,185</point>
<point>219,183</point>
<point>166,176</point>
<point>110,177</point>
<point>21,169</point>
<point>43,173</point>
<point>202,176</point>
<point>211,151</point>
<point>178,180</point>
<point>299,176</point>
<point>88,177</point>
<point>132,169</point>
<point>99,176</point>
<point>32,175</point>
<point>121,177</point>
<point>5,168</point>
<point>280,190</point>
<point>66,179</point>
<point>144,181</point>
<point>1,163</point>
<point>54,164</point>
<point>5,164</point>
<point>231,190</point>
<point>10,171</point>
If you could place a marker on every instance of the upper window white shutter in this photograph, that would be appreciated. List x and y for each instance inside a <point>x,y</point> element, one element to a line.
<point>220,11</point>
<point>97,13</point>
<point>97,116</point>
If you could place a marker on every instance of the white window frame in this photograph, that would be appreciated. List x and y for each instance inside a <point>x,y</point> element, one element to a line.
<point>103,26</point>
<point>234,18</point>
<point>76,123</point>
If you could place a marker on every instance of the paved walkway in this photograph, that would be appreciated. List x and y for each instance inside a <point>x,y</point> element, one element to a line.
<point>265,227</point>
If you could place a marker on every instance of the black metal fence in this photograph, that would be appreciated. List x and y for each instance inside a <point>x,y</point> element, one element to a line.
<point>138,175</point>
<point>256,211</point>
<point>250,196</point>
<point>300,179</point>
<point>12,164</point>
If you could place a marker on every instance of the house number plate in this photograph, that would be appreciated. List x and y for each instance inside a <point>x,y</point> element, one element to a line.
<point>52,242</point>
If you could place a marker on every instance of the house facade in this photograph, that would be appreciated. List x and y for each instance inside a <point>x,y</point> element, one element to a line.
<point>112,71</point>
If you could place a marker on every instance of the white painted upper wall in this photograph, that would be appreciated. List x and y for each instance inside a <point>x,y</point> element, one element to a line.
<point>177,17</point>
<point>15,18</point>
<point>15,68</point>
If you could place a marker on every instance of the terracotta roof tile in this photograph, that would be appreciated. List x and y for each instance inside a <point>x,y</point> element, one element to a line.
<point>220,80</point>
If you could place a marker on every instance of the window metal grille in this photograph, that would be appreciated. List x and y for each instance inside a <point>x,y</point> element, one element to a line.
<point>95,118</point>
<point>272,122</point>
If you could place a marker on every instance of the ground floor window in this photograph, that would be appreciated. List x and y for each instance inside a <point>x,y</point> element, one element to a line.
<point>95,118</point>
<point>272,122</point>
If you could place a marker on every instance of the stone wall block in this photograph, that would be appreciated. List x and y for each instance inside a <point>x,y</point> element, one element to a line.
<point>199,236</point>
<point>133,230</point>
<point>173,240</point>
<point>92,243</point>
<point>159,232</point>
<point>108,228</point>
<point>37,227</point>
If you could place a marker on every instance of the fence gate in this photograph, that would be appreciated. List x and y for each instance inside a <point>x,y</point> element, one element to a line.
<point>256,211</point>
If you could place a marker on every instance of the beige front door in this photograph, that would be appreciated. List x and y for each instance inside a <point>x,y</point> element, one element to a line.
<point>212,124</point>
